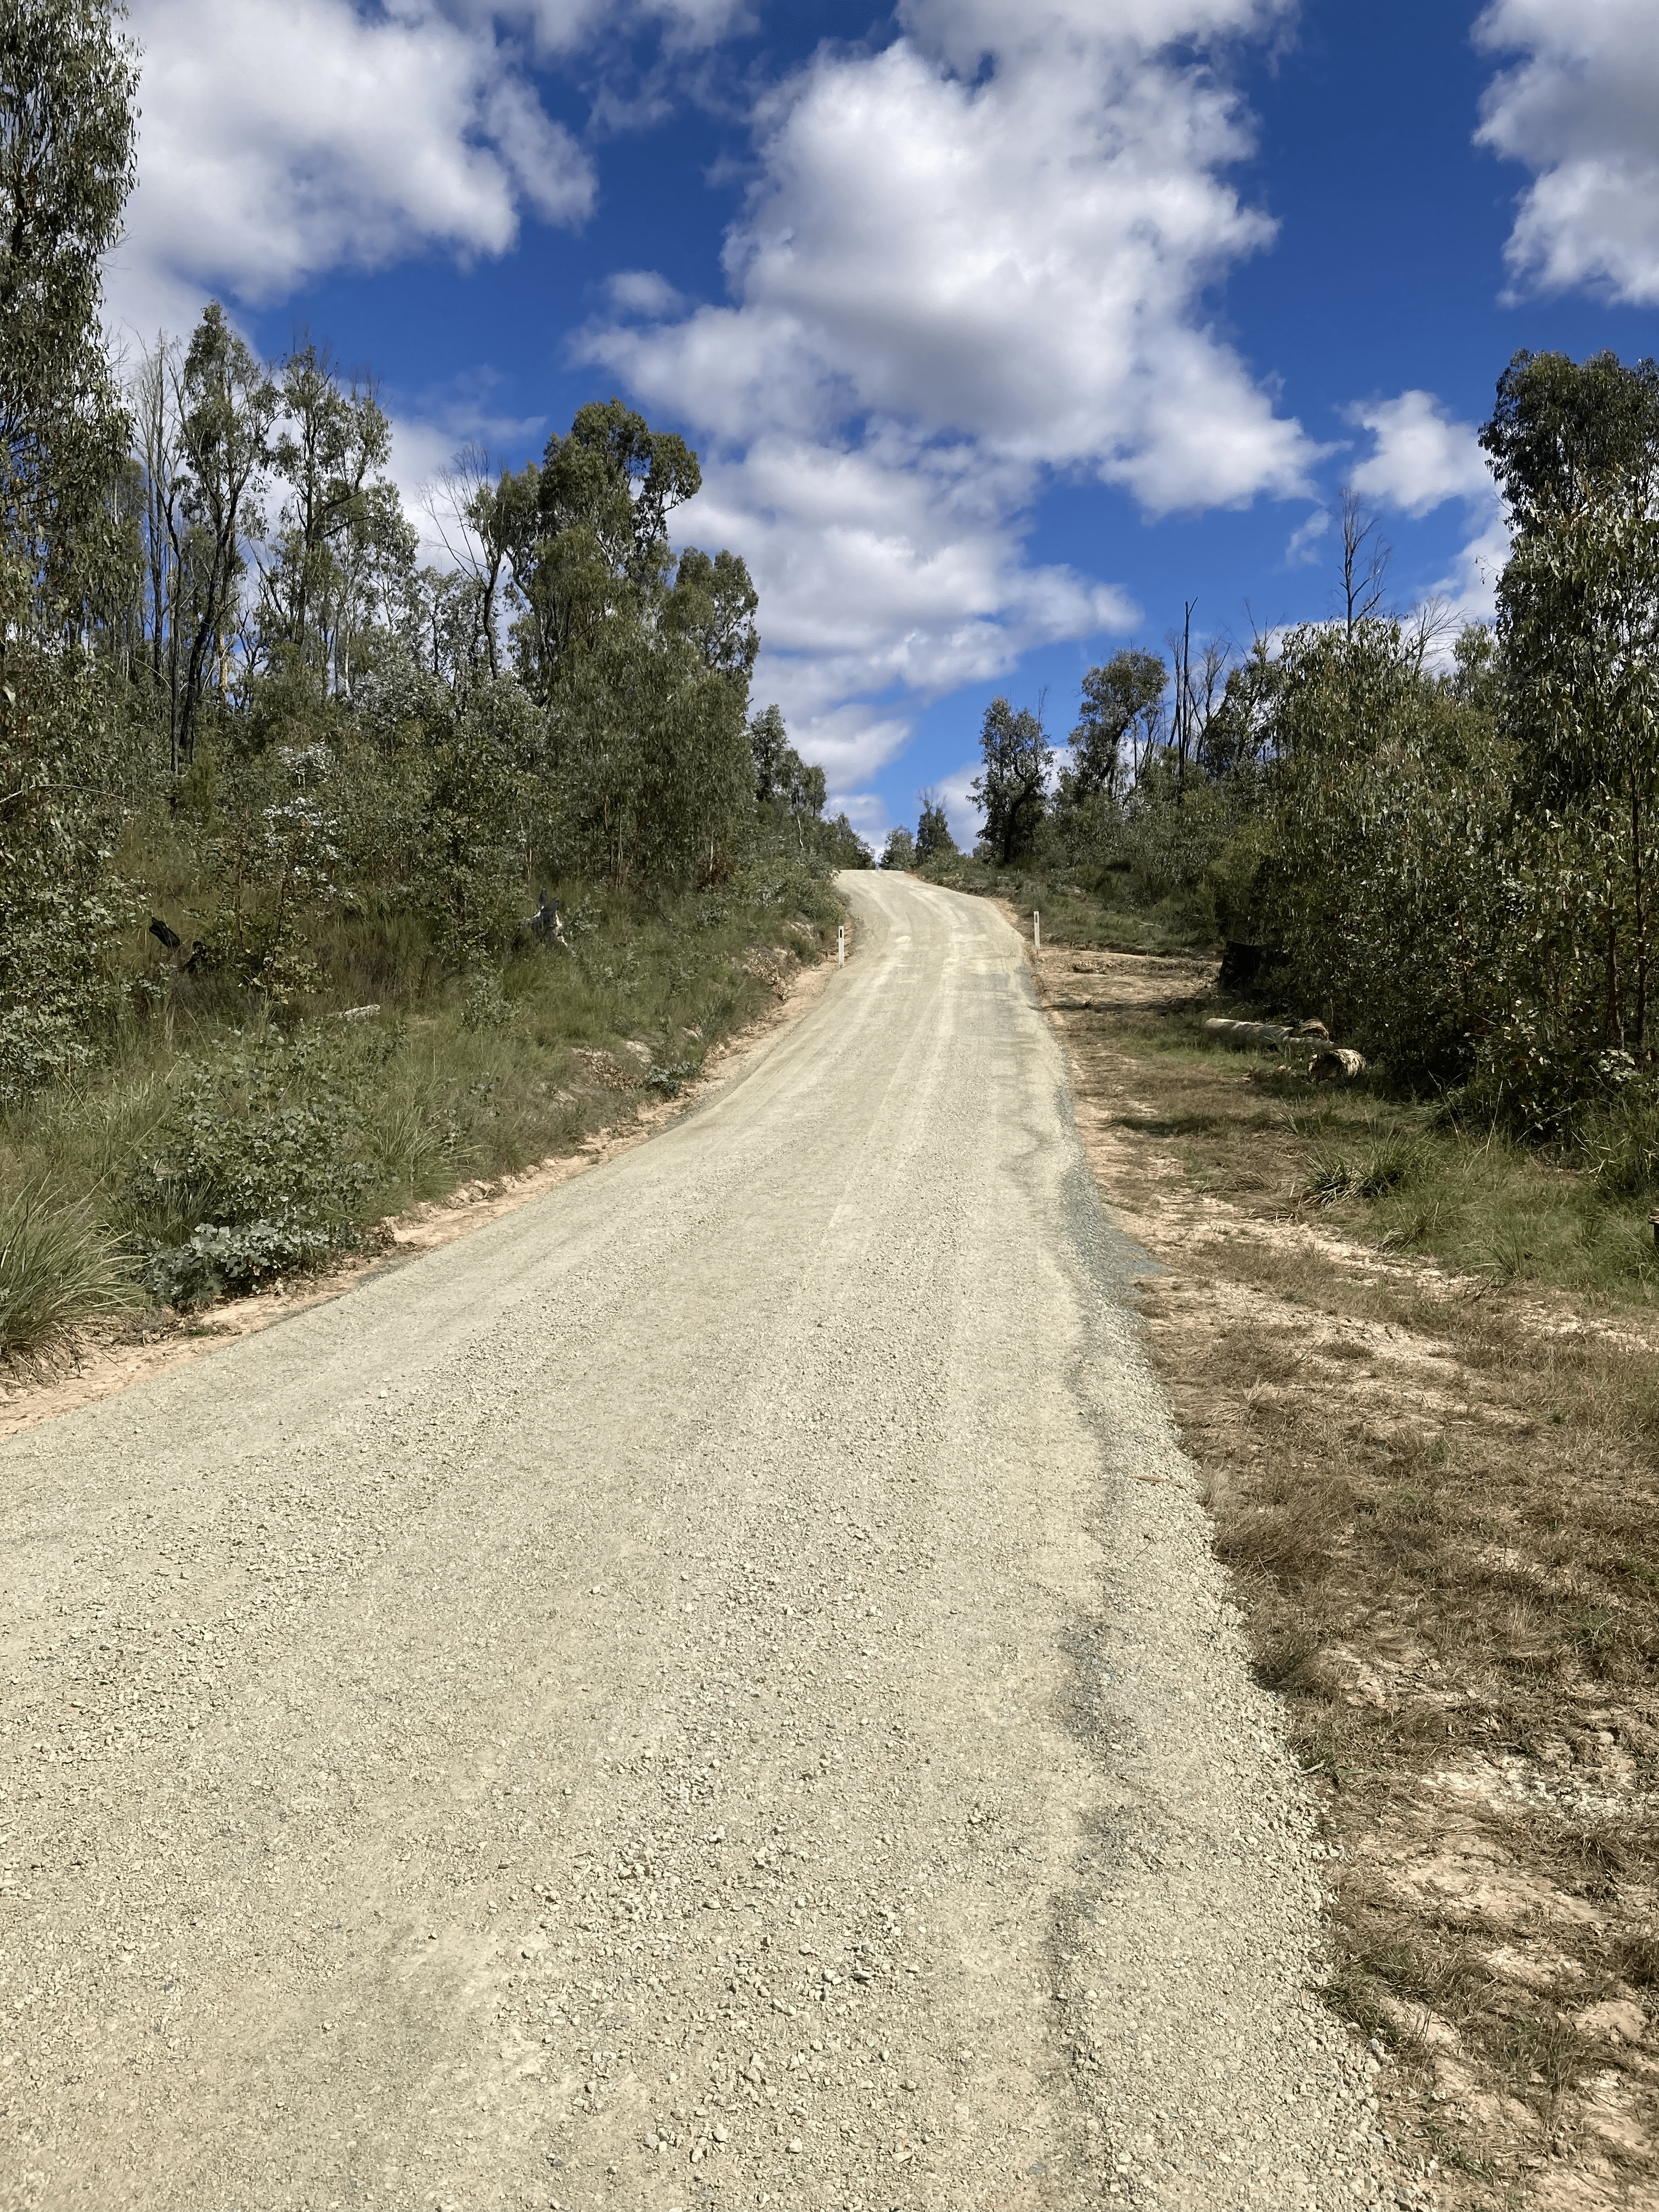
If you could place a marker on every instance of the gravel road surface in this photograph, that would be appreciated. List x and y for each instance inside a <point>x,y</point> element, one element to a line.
<point>712,1692</point>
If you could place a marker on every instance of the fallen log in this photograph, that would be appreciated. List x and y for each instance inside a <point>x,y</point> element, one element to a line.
<point>1331,1063</point>
<point>1339,1063</point>
<point>1248,1037</point>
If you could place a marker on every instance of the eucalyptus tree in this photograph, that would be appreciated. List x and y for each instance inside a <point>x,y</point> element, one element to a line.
<point>67,82</point>
<point>650,756</point>
<point>1238,736</point>
<point>1012,785</point>
<point>934,838</point>
<point>641,661</point>
<point>68,78</point>
<point>225,404</point>
<point>585,533</point>
<point>782,779</point>
<point>341,537</point>
<point>1122,703</point>
<point>1376,856</point>
<point>1575,448</point>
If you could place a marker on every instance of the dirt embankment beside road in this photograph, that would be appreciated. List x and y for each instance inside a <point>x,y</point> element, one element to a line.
<point>101,1357</point>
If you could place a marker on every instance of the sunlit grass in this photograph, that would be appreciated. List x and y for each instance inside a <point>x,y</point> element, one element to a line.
<point>57,1268</point>
<point>473,1076</point>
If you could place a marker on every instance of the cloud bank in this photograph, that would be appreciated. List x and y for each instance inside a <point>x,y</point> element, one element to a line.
<point>282,139</point>
<point>1581,110</point>
<point>969,262</point>
<point>974,259</point>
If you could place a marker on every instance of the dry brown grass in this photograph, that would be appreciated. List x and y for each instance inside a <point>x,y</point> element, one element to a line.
<point>1439,1493</point>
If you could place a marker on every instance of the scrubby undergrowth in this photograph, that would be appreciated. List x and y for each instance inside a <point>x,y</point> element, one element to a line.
<point>1075,910</point>
<point>223,1144</point>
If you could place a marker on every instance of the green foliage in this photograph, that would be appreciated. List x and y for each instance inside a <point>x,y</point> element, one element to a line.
<point>229,699</point>
<point>57,1268</point>
<point>838,845</point>
<point>1077,909</point>
<point>586,532</point>
<point>1563,435</point>
<point>486,1006</point>
<point>652,764</point>
<point>261,1165</point>
<point>66,137</point>
<point>1122,702</point>
<point>264,1150</point>
<point>1382,883</point>
<point>68,80</point>
<point>477,824</point>
<point>1577,450</point>
<point>934,838</point>
<point>61,905</point>
<point>1172,836</point>
<point>782,777</point>
<point>900,851</point>
<point>1012,785</point>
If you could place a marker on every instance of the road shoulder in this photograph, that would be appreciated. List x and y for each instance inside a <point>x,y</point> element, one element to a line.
<point>1425,1488</point>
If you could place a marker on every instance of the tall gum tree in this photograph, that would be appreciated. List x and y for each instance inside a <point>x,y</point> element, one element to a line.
<point>1575,448</point>
<point>68,78</point>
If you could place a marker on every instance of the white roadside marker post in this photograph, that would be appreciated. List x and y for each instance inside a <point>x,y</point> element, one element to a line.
<point>840,946</point>
<point>1036,930</point>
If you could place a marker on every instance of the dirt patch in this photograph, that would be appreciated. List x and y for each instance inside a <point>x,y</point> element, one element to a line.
<point>1440,1499</point>
<point>108,1356</point>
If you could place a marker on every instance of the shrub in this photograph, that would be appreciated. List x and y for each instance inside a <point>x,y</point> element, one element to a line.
<point>263,1165</point>
<point>486,1006</point>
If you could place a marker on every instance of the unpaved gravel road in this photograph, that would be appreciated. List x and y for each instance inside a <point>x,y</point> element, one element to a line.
<point>713,1691</point>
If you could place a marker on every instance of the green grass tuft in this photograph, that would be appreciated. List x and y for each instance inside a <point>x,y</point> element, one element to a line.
<point>58,1269</point>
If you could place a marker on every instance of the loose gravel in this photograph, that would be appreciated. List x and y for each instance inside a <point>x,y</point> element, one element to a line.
<point>713,1692</point>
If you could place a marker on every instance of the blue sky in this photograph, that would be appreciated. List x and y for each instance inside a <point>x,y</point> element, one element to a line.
<point>1002,327</point>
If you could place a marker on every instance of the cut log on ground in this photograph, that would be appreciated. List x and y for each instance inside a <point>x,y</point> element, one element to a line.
<point>1339,1065</point>
<point>1247,1036</point>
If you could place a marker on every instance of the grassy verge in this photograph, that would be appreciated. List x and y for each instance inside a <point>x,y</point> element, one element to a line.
<point>224,1145</point>
<point>1073,913</point>
<point>1416,1368</point>
<point>1401,1174</point>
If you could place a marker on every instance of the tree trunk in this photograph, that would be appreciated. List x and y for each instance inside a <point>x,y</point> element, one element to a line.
<point>1641,921</point>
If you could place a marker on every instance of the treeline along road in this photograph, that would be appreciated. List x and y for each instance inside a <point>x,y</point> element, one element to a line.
<point>711,1691</point>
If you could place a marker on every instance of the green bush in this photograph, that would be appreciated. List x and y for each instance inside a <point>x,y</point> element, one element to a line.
<point>263,1164</point>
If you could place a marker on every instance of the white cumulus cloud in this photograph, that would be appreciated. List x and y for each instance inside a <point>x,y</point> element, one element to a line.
<point>970,261</point>
<point>1580,109</point>
<point>284,138</point>
<point>1420,457</point>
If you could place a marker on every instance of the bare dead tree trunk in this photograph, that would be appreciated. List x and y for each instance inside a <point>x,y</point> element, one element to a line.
<point>1366,558</point>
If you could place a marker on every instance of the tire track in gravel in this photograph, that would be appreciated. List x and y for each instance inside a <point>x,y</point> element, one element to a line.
<point>713,1691</point>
